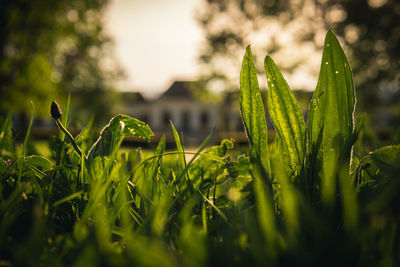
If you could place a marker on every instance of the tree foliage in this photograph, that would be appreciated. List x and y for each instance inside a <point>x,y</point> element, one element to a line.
<point>51,48</point>
<point>293,31</point>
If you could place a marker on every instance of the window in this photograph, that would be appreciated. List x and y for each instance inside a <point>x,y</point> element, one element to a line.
<point>166,117</point>
<point>186,121</point>
<point>204,119</point>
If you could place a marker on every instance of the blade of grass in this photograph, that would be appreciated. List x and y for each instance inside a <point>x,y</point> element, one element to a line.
<point>28,133</point>
<point>181,157</point>
<point>67,198</point>
<point>264,206</point>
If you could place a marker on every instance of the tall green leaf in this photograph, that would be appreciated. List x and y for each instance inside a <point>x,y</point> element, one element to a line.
<point>286,117</point>
<point>330,120</point>
<point>252,109</point>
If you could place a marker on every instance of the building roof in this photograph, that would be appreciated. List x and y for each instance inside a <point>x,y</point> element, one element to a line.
<point>132,97</point>
<point>178,90</point>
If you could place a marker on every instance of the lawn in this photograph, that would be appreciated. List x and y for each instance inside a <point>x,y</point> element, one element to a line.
<point>312,197</point>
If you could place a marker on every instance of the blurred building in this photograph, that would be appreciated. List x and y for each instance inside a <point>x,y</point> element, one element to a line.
<point>191,116</point>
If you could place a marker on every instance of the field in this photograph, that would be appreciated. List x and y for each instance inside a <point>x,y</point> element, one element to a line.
<point>315,196</point>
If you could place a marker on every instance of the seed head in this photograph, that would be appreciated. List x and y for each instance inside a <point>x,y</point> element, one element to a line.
<point>55,111</point>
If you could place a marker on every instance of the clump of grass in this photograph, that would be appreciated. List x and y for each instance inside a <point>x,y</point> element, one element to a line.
<point>305,199</point>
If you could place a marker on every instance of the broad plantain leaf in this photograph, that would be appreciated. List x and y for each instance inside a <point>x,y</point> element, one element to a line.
<point>387,159</point>
<point>39,162</point>
<point>252,109</point>
<point>286,117</point>
<point>330,121</point>
<point>111,133</point>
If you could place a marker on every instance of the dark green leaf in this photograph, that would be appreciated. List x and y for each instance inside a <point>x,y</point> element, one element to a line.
<point>330,121</point>
<point>119,126</point>
<point>387,159</point>
<point>39,162</point>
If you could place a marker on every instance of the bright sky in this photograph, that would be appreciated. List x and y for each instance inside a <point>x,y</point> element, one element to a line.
<point>156,41</point>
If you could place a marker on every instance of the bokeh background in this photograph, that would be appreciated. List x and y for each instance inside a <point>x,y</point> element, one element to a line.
<point>180,59</point>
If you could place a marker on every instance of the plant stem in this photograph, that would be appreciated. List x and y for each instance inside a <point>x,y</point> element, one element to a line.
<point>76,147</point>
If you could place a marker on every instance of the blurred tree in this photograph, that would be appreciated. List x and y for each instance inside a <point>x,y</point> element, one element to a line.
<point>371,30</point>
<point>292,32</point>
<point>51,48</point>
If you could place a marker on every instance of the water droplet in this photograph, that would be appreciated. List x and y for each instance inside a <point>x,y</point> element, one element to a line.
<point>326,63</point>
<point>336,72</point>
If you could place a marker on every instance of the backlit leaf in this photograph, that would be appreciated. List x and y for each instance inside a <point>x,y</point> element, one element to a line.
<point>330,120</point>
<point>286,117</point>
<point>252,109</point>
<point>119,126</point>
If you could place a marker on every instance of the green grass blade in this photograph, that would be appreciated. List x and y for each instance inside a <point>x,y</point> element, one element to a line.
<point>24,148</point>
<point>68,198</point>
<point>264,206</point>
<point>252,109</point>
<point>181,151</point>
<point>181,156</point>
<point>286,117</point>
<point>160,149</point>
<point>330,120</point>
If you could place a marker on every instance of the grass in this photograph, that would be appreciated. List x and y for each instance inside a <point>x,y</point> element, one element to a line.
<point>313,197</point>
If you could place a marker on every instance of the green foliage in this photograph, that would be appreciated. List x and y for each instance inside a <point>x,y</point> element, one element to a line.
<point>301,200</point>
<point>51,49</point>
<point>368,29</point>
<point>118,127</point>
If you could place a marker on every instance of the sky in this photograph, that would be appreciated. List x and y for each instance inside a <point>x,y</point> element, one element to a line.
<point>156,42</point>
